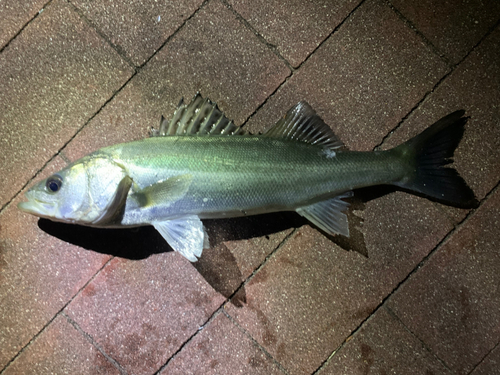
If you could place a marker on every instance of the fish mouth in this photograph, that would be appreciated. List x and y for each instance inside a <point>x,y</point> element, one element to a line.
<point>36,207</point>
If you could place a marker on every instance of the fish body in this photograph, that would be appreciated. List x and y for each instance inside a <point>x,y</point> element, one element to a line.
<point>200,165</point>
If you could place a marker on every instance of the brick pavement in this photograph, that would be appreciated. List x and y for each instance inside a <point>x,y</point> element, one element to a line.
<point>273,295</point>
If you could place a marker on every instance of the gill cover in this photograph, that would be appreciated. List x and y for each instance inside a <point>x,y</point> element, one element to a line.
<point>91,191</point>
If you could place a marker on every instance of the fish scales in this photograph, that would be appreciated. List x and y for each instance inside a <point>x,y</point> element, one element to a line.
<point>200,165</point>
<point>248,174</point>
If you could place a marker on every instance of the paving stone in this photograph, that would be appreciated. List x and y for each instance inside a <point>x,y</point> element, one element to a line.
<point>490,365</point>
<point>475,87</point>
<point>221,349</point>
<point>453,303</point>
<point>55,75</point>
<point>311,294</point>
<point>383,346</point>
<point>251,253</point>
<point>138,27</point>
<point>362,80</point>
<point>296,27</point>
<point>237,247</point>
<point>453,27</point>
<point>39,274</point>
<point>215,54</point>
<point>141,312</point>
<point>61,349</point>
<point>15,15</point>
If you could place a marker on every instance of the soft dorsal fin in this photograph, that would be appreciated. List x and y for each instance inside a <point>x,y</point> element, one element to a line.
<point>200,117</point>
<point>301,123</point>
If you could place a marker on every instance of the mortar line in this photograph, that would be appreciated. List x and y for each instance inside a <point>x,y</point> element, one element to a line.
<point>91,24</point>
<point>263,263</point>
<point>255,342</point>
<point>452,69</point>
<point>23,27</point>
<point>482,359</point>
<point>245,23</point>
<point>421,264</point>
<point>58,152</point>
<point>121,51</point>
<point>91,340</point>
<point>216,312</point>
<point>422,36</point>
<point>49,322</point>
<point>422,342</point>
<point>273,49</point>
<point>135,72</point>
<point>191,338</point>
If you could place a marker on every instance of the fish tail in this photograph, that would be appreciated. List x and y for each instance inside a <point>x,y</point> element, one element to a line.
<point>428,153</point>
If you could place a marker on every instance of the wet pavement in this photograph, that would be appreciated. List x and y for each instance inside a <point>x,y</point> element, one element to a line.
<point>415,290</point>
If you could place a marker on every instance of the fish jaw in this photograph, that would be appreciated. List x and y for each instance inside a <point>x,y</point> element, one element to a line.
<point>37,207</point>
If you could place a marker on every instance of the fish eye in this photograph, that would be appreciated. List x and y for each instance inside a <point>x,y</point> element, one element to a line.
<point>53,184</point>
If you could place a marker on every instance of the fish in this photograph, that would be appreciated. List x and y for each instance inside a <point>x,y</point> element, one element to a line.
<point>200,165</point>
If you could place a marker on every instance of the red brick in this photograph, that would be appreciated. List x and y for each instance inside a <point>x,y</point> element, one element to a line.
<point>59,349</point>
<point>221,348</point>
<point>383,346</point>
<point>311,294</point>
<point>141,312</point>
<point>138,27</point>
<point>452,303</point>
<point>15,15</point>
<point>363,80</point>
<point>490,364</point>
<point>296,27</point>
<point>55,75</point>
<point>39,274</point>
<point>454,27</point>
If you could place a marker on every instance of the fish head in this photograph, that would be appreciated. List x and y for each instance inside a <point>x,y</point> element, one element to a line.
<point>83,193</point>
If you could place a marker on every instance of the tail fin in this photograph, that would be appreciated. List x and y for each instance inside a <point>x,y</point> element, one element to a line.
<point>428,153</point>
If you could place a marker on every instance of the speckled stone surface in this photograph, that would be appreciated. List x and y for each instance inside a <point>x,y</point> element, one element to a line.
<point>55,75</point>
<point>61,349</point>
<point>413,289</point>
<point>221,349</point>
<point>362,80</point>
<point>311,294</point>
<point>490,364</point>
<point>383,346</point>
<point>452,302</point>
<point>296,27</point>
<point>39,274</point>
<point>454,27</point>
<point>14,15</point>
<point>141,312</point>
<point>140,27</point>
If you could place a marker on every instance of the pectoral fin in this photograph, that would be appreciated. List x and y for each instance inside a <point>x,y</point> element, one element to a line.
<point>164,192</point>
<point>185,235</point>
<point>327,215</point>
<point>114,211</point>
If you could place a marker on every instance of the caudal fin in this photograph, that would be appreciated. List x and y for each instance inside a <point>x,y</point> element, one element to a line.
<point>428,153</point>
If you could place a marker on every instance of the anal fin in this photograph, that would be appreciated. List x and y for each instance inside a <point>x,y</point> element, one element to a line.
<point>328,215</point>
<point>185,235</point>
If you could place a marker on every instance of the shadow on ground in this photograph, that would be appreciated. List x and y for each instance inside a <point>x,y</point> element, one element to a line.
<point>217,265</point>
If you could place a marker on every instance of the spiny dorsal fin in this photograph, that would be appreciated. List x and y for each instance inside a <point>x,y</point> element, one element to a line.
<point>200,117</point>
<point>301,123</point>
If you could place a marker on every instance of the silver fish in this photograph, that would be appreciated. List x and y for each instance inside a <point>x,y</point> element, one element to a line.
<point>200,165</point>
